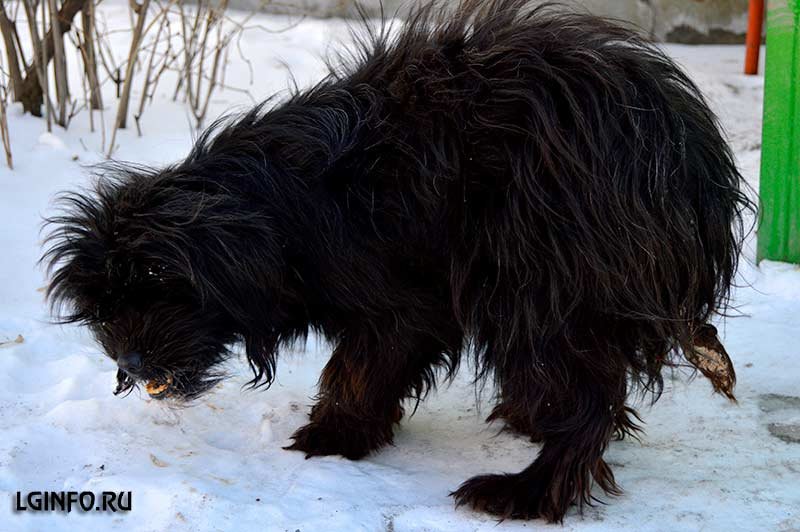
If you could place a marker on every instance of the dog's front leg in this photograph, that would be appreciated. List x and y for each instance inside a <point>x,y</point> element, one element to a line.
<point>362,389</point>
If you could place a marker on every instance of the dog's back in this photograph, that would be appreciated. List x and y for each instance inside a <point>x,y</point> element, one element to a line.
<point>554,167</point>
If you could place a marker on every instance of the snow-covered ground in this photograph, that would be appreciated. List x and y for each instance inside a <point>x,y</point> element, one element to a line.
<point>704,463</point>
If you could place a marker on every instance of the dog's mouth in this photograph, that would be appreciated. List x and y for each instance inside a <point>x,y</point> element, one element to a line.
<point>180,386</point>
<point>159,388</point>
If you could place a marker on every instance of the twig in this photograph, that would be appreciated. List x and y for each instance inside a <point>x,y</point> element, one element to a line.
<point>32,95</point>
<point>59,65</point>
<point>122,110</point>
<point>149,74</point>
<point>87,96</point>
<point>89,55</point>
<point>43,66</point>
<point>5,137</point>
<point>11,40</point>
<point>38,53</point>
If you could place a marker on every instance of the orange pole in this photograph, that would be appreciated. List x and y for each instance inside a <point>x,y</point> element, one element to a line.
<point>753,42</point>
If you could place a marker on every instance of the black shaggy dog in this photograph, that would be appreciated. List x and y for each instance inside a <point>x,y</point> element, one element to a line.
<point>545,190</point>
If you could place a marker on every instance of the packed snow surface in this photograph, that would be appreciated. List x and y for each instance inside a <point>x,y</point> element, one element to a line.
<point>704,463</point>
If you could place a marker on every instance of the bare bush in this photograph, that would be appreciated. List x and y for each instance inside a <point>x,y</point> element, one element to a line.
<point>205,50</point>
<point>191,42</point>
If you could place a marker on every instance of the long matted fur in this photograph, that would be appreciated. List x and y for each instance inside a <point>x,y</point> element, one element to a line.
<point>545,189</point>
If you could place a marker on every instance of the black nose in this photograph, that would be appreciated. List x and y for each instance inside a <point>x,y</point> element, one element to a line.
<point>130,362</point>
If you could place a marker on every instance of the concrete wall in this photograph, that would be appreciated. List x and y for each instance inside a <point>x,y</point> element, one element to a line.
<point>687,21</point>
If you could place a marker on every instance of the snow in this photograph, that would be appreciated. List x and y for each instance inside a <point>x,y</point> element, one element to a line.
<point>704,463</point>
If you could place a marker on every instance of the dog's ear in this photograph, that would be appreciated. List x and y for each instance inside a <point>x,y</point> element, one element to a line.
<point>210,252</point>
<point>205,236</point>
<point>77,246</point>
<point>231,258</point>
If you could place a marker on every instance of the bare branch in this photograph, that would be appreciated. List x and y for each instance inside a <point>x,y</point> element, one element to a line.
<point>5,137</point>
<point>193,41</point>
<point>43,61</point>
<point>59,65</point>
<point>11,40</point>
<point>32,89</point>
<point>122,110</point>
<point>151,74</point>
<point>89,54</point>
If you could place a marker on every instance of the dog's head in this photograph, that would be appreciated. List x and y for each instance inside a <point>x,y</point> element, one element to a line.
<point>152,262</point>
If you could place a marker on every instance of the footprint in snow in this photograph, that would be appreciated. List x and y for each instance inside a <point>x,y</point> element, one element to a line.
<point>783,416</point>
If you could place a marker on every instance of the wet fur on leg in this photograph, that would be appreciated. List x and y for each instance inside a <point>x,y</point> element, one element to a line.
<point>627,423</point>
<point>358,405</point>
<point>546,190</point>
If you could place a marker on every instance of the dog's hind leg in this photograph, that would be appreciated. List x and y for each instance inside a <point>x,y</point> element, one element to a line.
<point>363,386</point>
<point>520,421</point>
<point>575,421</point>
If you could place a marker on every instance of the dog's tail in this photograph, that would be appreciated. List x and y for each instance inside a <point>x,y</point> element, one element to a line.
<point>709,357</point>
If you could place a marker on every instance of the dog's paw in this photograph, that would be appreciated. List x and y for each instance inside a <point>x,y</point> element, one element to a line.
<point>346,439</point>
<point>507,497</point>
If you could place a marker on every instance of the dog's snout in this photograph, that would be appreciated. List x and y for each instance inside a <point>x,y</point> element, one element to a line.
<point>130,362</point>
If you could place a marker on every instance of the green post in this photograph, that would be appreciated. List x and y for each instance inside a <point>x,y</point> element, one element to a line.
<point>779,226</point>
